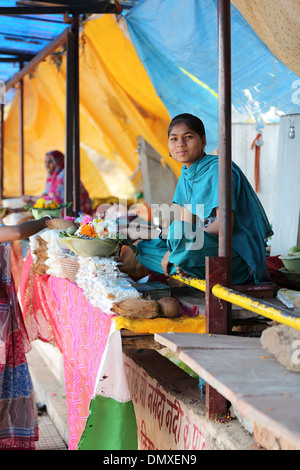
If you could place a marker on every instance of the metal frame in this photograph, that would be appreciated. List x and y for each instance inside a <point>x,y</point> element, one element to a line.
<point>218,270</point>
<point>73,8</point>
<point>72,160</point>
<point>70,36</point>
<point>21,134</point>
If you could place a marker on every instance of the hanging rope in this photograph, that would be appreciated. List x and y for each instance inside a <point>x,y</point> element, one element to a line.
<point>257,142</point>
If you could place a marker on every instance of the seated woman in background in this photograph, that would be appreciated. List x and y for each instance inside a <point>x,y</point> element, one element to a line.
<point>18,410</point>
<point>180,253</point>
<point>55,183</point>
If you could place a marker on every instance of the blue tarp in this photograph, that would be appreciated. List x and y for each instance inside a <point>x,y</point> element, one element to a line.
<point>177,42</point>
<point>23,36</point>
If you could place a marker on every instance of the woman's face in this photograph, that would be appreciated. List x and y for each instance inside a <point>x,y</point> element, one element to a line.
<point>49,164</point>
<point>186,146</point>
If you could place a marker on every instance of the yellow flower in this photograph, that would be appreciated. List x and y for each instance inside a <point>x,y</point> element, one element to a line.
<point>39,203</point>
<point>42,203</point>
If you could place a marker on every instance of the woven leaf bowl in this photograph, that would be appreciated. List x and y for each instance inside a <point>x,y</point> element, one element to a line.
<point>39,213</point>
<point>91,247</point>
<point>291,263</point>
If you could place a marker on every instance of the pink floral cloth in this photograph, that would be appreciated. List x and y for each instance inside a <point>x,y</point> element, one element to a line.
<point>18,412</point>
<point>56,310</point>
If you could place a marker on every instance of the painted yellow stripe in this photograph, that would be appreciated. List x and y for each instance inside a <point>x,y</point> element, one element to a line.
<point>242,300</point>
<point>193,282</point>
<point>254,305</point>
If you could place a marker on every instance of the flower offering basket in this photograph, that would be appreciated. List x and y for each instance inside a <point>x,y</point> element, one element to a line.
<point>91,247</point>
<point>291,263</point>
<point>39,213</point>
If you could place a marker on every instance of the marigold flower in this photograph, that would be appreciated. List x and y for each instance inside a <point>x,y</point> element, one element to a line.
<point>88,231</point>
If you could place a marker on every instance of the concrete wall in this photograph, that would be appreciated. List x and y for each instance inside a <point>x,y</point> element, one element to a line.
<point>242,137</point>
<point>169,411</point>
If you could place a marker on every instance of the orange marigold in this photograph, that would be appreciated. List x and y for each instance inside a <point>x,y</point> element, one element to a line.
<point>88,230</point>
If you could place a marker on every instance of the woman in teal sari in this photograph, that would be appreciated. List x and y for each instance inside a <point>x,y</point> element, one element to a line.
<point>195,236</point>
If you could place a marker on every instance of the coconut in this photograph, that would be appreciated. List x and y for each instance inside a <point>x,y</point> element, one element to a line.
<point>59,224</point>
<point>25,218</point>
<point>169,307</point>
<point>136,308</point>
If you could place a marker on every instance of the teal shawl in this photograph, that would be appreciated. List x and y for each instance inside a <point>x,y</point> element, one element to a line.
<point>198,184</point>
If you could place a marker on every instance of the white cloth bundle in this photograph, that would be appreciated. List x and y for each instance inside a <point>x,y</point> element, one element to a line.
<point>103,283</point>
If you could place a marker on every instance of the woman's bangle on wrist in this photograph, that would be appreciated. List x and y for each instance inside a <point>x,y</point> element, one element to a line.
<point>47,215</point>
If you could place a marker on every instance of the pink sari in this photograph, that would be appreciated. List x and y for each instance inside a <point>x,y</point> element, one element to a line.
<point>55,184</point>
<point>18,411</point>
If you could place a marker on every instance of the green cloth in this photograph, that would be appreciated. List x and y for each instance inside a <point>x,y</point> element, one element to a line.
<point>198,191</point>
<point>111,425</point>
<point>151,253</point>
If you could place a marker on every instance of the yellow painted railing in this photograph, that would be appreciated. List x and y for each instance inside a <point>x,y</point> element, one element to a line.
<point>254,305</point>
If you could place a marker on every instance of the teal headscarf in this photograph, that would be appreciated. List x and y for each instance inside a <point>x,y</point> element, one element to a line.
<point>198,184</point>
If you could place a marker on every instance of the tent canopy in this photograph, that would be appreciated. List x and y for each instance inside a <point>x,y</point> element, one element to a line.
<point>141,68</point>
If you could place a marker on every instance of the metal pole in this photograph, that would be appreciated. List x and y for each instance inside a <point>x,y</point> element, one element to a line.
<point>240,298</point>
<point>1,150</point>
<point>218,270</point>
<point>72,176</point>
<point>224,67</point>
<point>21,134</point>
<point>225,158</point>
<point>76,131</point>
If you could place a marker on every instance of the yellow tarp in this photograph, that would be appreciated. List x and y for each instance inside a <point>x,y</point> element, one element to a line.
<point>183,324</point>
<point>117,104</point>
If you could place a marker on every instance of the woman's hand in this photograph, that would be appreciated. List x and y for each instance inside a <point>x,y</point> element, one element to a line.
<point>29,199</point>
<point>22,230</point>
<point>180,272</point>
<point>165,264</point>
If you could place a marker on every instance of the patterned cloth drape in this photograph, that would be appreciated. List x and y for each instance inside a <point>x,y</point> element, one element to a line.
<point>18,412</point>
<point>56,310</point>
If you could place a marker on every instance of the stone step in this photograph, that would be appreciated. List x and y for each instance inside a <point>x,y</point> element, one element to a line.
<point>249,377</point>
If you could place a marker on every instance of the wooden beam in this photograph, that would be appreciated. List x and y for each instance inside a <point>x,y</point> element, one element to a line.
<point>95,7</point>
<point>30,66</point>
<point>14,58</point>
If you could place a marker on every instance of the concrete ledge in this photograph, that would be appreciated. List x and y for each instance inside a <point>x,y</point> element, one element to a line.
<point>169,411</point>
<point>249,377</point>
<point>49,390</point>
